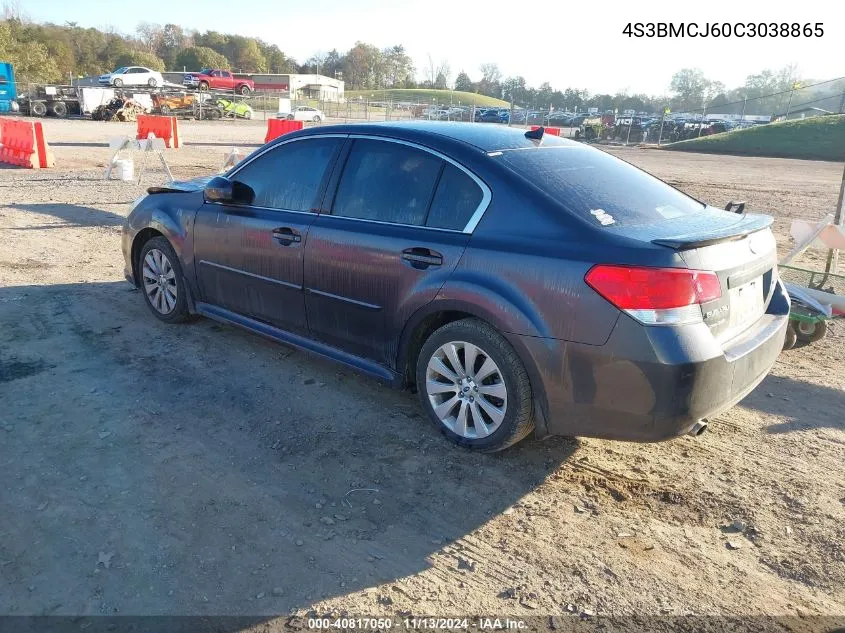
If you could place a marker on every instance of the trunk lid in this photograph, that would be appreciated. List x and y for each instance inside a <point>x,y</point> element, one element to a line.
<point>740,249</point>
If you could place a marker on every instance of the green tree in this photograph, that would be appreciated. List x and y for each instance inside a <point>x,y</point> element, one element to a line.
<point>333,64</point>
<point>397,67</point>
<point>199,57</point>
<point>544,95</point>
<point>140,58</point>
<point>213,40</point>
<point>277,61</point>
<point>689,87</point>
<point>463,82</point>
<point>491,80</point>
<point>362,67</point>
<point>245,55</point>
<point>31,60</point>
<point>173,40</point>
<point>513,89</point>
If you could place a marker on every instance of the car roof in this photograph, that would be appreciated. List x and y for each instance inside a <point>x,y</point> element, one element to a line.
<point>486,138</point>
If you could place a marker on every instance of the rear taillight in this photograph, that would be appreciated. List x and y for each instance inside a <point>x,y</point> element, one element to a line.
<point>655,296</point>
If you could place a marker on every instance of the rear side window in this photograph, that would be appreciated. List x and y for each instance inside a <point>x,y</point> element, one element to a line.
<point>599,187</point>
<point>388,182</point>
<point>289,176</point>
<point>456,199</point>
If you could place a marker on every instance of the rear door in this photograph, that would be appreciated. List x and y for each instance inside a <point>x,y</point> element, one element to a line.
<point>398,224</point>
<point>133,77</point>
<point>249,257</point>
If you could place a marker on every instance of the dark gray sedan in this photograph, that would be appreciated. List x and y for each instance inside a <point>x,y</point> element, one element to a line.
<point>518,282</point>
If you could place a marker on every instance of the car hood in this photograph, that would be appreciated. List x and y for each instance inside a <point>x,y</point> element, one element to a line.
<point>181,186</point>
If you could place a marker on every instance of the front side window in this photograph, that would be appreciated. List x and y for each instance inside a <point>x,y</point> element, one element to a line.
<point>387,182</point>
<point>290,176</point>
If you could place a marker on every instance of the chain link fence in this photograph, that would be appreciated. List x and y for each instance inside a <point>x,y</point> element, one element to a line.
<point>609,125</point>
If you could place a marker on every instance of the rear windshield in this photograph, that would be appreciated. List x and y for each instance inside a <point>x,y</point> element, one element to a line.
<point>599,187</point>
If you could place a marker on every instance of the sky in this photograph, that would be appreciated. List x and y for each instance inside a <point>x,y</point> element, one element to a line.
<point>577,44</point>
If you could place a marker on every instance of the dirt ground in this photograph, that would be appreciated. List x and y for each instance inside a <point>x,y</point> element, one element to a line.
<point>198,469</point>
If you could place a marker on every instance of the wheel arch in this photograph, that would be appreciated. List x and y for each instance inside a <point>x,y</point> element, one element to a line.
<point>142,237</point>
<point>159,223</point>
<point>145,235</point>
<point>440,312</point>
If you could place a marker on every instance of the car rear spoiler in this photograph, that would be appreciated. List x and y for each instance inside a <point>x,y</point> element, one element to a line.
<point>747,225</point>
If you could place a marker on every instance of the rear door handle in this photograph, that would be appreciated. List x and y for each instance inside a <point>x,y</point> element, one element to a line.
<point>422,257</point>
<point>286,235</point>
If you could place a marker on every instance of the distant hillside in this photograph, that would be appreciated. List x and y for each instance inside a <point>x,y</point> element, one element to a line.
<point>819,138</point>
<point>422,95</point>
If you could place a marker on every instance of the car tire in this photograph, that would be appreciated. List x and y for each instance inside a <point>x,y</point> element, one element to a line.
<point>290,117</point>
<point>152,83</point>
<point>59,109</point>
<point>149,268</point>
<point>203,86</point>
<point>316,119</point>
<point>507,386</point>
<point>807,332</point>
<point>245,90</point>
<point>117,83</point>
<point>165,109</point>
<point>38,108</point>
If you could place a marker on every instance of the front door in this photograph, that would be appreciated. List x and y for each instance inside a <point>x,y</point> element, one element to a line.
<point>394,234</point>
<point>249,255</point>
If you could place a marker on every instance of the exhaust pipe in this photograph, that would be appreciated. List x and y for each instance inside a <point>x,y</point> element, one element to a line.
<point>698,428</point>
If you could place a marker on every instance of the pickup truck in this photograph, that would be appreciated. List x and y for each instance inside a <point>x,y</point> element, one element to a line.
<point>219,80</point>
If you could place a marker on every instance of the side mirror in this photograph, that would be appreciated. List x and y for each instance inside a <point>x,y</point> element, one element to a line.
<point>219,189</point>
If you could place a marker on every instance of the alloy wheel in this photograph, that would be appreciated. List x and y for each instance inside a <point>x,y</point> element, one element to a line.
<point>466,389</point>
<point>159,281</point>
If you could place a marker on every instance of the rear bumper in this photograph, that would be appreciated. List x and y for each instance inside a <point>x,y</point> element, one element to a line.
<point>653,383</point>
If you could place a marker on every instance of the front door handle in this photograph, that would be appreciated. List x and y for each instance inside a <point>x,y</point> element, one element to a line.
<point>422,258</point>
<point>286,235</point>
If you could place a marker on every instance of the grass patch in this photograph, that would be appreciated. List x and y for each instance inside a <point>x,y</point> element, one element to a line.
<point>423,95</point>
<point>819,138</point>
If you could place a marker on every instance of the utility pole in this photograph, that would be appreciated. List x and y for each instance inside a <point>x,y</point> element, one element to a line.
<point>795,86</point>
<point>662,120</point>
<point>744,103</point>
<point>833,255</point>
